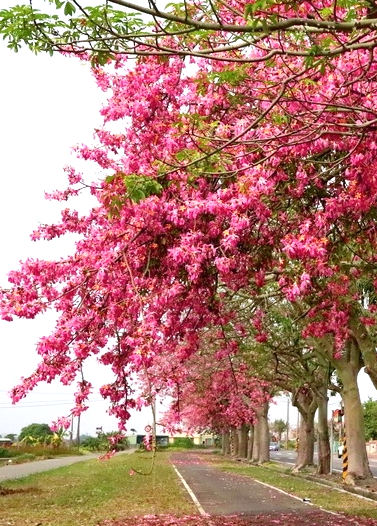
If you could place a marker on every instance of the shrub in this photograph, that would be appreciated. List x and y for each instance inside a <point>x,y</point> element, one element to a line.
<point>185,442</point>
<point>35,433</point>
<point>95,443</point>
<point>43,451</point>
<point>8,452</point>
<point>101,443</point>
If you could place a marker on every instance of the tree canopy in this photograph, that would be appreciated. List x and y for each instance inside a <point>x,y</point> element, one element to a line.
<point>35,432</point>
<point>370,417</point>
<point>222,30</point>
<point>235,230</point>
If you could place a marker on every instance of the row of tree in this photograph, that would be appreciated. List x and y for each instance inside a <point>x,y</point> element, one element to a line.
<point>232,253</point>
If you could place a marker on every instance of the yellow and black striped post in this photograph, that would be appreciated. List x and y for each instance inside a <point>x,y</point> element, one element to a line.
<point>345,458</point>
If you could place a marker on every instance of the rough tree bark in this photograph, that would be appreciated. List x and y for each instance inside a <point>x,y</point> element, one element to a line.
<point>261,440</point>
<point>256,441</point>
<point>250,443</point>
<point>324,451</point>
<point>243,438</point>
<point>234,442</point>
<point>225,443</point>
<point>306,403</point>
<point>348,368</point>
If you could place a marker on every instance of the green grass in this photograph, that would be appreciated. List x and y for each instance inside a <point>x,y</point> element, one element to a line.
<point>24,452</point>
<point>322,496</point>
<point>86,492</point>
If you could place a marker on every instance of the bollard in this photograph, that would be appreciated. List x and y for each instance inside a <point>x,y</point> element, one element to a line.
<point>345,458</point>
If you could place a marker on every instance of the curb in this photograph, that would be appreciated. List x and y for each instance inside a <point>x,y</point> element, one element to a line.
<point>355,490</point>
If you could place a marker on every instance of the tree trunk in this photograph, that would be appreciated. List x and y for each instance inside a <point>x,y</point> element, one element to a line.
<point>366,347</point>
<point>264,435</point>
<point>234,443</point>
<point>324,452</point>
<point>306,403</point>
<point>305,452</point>
<point>250,443</point>
<point>242,433</point>
<point>256,442</point>
<point>225,443</point>
<point>358,466</point>
<point>261,437</point>
<point>357,352</point>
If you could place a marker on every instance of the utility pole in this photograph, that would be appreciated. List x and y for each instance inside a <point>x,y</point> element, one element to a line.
<point>71,432</point>
<point>331,443</point>
<point>78,431</point>
<point>287,425</point>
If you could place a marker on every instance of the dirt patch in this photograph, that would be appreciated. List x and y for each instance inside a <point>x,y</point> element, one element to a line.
<point>12,491</point>
<point>368,484</point>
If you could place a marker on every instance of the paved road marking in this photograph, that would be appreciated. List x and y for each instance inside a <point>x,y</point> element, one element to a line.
<point>191,493</point>
<point>325,486</point>
<point>294,497</point>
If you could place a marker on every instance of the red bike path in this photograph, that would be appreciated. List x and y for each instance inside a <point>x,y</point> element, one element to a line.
<point>221,493</point>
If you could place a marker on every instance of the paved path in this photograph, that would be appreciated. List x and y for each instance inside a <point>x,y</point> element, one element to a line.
<point>17,471</point>
<point>221,493</point>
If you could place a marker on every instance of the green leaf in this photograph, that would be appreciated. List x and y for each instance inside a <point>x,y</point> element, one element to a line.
<point>249,11</point>
<point>69,9</point>
<point>326,12</point>
<point>139,187</point>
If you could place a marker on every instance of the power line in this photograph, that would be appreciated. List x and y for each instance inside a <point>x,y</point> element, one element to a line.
<point>48,404</point>
<point>41,393</point>
<point>66,400</point>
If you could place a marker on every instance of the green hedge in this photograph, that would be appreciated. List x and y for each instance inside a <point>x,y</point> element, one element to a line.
<point>7,452</point>
<point>185,442</point>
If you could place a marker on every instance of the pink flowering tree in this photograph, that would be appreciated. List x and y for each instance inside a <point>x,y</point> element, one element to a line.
<point>316,30</point>
<point>217,178</point>
<point>217,393</point>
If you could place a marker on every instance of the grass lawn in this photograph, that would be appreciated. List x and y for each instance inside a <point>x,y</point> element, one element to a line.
<point>323,496</point>
<point>83,494</point>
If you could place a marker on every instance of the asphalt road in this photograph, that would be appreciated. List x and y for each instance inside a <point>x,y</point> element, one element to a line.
<point>220,493</point>
<point>289,457</point>
<point>17,471</point>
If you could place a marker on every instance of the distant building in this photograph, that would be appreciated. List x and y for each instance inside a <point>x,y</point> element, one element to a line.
<point>161,440</point>
<point>5,442</point>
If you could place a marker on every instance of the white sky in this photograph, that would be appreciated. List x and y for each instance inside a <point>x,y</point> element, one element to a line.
<point>47,106</point>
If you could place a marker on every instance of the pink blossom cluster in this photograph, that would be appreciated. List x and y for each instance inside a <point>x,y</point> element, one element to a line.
<point>206,200</point>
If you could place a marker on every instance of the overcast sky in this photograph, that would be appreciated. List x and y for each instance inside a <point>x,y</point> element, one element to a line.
<point>47,106</point>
